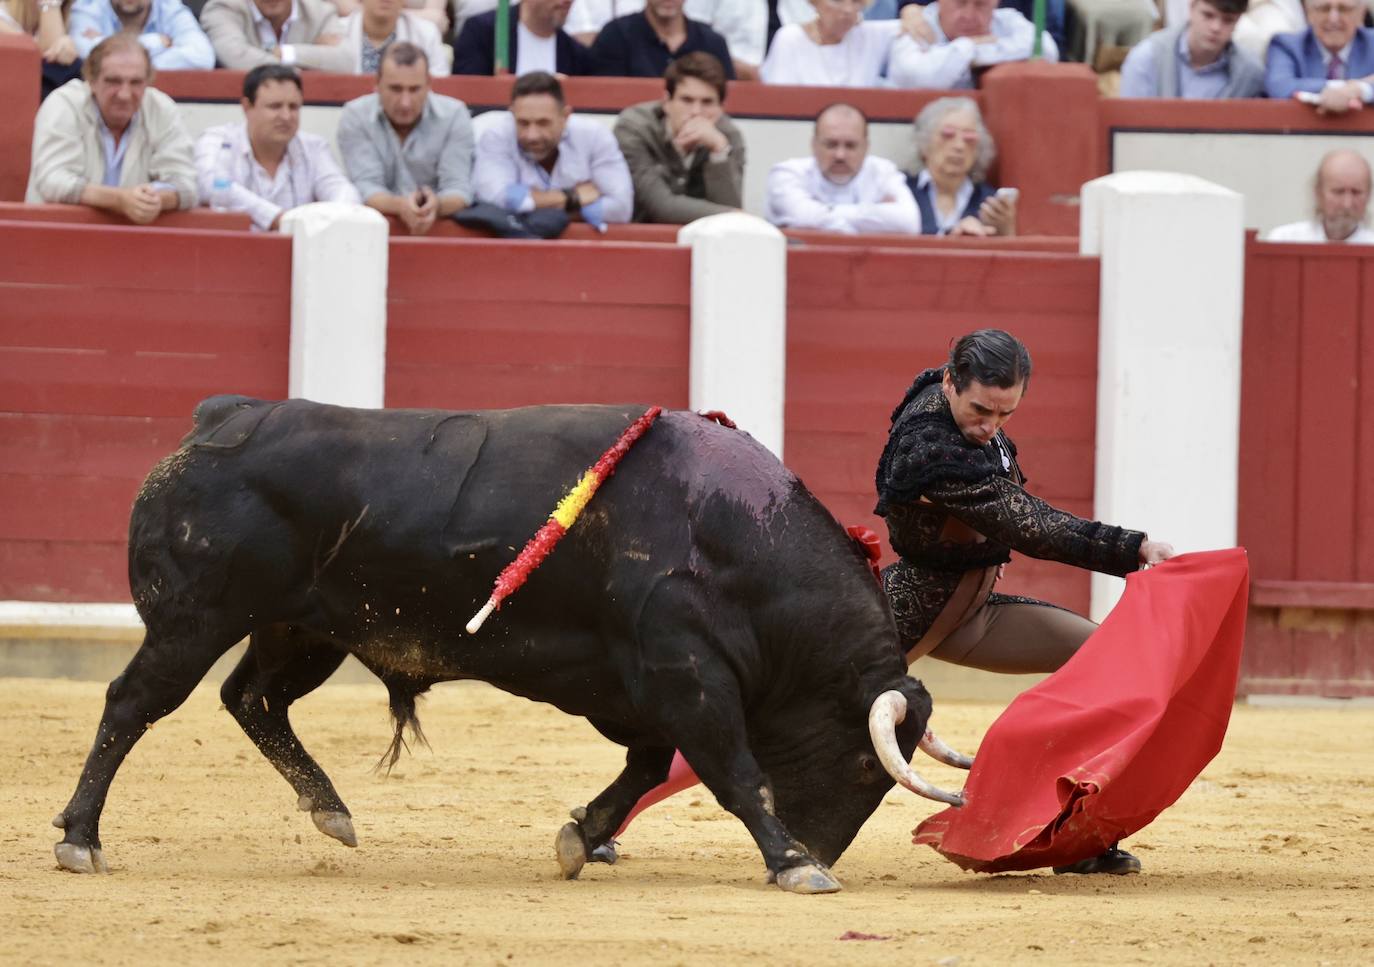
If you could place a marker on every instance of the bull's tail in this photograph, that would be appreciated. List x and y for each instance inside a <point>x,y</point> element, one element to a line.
<point>402,695</point>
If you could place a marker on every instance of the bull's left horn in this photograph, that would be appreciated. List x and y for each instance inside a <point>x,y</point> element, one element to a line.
<point>887,712</point>
<point>937,750</point>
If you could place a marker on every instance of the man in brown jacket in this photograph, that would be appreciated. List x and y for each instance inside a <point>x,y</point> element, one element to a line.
<point>685,155</point>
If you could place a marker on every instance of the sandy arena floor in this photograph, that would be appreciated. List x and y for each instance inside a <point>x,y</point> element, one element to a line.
<point>1266,859</point>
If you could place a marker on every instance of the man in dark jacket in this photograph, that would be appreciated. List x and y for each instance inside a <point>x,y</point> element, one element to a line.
<point>642,44</point>
<point>538,42</point>
<point>685,155</point>
<point>952,493</point>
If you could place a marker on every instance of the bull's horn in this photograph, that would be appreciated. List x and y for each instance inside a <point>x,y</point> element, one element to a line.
<point>937,750</point>
<point>887,712</point>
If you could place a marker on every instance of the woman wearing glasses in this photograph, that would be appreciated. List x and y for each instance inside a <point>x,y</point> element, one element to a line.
<point>955,149</point>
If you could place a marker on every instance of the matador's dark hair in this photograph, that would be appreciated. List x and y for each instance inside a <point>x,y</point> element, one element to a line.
<point>992,357</point>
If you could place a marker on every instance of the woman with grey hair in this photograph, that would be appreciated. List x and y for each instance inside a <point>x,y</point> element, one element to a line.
<point>955,150</point>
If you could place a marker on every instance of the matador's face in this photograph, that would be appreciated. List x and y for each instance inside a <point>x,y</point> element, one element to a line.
<point>981,410</point>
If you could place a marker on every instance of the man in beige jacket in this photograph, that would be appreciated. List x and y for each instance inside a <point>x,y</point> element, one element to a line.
<point>111,142</point>
<point>300,33</point>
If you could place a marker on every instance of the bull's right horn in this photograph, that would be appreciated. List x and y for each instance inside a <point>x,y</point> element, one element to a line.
<point>937,750</point>
<point>887,712</point>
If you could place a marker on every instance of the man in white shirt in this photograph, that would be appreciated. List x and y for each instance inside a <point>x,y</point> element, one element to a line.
<point>841,188</point>
<point>272,165</point>
<point>540,156</point>
<point>963,35</point>
<point>1342,196</point>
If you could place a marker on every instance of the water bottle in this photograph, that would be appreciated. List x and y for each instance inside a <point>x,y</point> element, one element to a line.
<point>221,197</point>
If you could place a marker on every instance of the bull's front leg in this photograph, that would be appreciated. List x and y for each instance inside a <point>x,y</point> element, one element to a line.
<point>595,824</point>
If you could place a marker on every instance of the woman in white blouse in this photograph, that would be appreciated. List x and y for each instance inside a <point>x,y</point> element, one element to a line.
<point>837,49</point>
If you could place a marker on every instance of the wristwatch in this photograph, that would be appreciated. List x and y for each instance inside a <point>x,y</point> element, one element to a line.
<point>45,5</point>
<point>574,204</point>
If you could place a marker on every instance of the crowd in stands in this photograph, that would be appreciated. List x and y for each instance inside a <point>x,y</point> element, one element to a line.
<point>1316,50</point>
<point>112,142</point>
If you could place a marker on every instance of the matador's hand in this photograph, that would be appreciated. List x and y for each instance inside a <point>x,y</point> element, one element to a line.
<point>1153,552</point>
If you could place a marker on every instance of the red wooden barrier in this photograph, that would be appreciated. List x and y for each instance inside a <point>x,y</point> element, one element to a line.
<point>19,79</point>
<point>862,324</point>
<point>475,324</point>
<point>203,218</point>
<point>108,339</point>
<point>1307,468</point>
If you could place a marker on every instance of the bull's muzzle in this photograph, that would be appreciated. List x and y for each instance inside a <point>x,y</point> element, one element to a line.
<point>887,712</point>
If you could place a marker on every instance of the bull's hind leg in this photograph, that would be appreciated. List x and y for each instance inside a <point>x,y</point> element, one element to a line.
<point>157,680</point>
<point>594,825</point>
<point>282,664</point>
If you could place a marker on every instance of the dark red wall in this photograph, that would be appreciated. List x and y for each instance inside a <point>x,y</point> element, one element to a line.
<point>1307,467</point>
<point>108,339</point>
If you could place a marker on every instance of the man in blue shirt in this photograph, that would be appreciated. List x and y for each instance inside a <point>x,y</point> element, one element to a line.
<point>165,28</point>
<point>1195,59</point>
<point>644,44</point>
<point>1330,65</point>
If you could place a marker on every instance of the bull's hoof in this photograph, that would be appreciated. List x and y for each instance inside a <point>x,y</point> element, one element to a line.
<point>571,848</point>
<point>606,853</point>
<point>60,820</point>
<point>80,859</point>
<point>335,824</point>
<point>808,879</point>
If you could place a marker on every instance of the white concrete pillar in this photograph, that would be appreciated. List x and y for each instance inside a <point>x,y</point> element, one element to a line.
<point>739,322</point>
<point>338,303</point>
<point>1172,250</point>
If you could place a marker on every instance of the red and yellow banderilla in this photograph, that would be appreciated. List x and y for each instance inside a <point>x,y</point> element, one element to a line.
<point>562,518</point>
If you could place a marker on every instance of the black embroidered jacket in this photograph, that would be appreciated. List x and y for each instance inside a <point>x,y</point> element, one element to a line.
<point>927,457</point>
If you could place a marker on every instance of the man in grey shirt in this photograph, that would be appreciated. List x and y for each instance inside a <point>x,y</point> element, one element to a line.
<point>1195,59</point>
<point>408,150</point>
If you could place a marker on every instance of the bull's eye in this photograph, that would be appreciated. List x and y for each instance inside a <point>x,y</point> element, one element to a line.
<point>868,763</point>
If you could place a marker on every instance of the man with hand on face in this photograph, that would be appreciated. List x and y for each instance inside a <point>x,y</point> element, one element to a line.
<point>960,35</point>
<point>408,150</point>
<point>955,502</point>
<point>685,156</point>
<point>273,165</point>
<point>111,142</point>
<point>167,30</point>
<point>841,188</point>
<point>1330,65</point>
<point>302,33</point>
<point>541,158</point>
<point>1196,59</point>
<point>1342,204</point>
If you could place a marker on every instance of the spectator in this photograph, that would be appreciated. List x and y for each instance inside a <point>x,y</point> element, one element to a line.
<point>1195,59</point>
<point>303,33</point>
<point>538,42</point>
<point>1054,14</point>
<point>841,188</point>
<point>377,24</point>
<point>685,156</point>
<point>110,142</point>
<point>539,159</point>
<point>955,150</point>
<point>435,11</point>
<point>1342,204</point>
<point>408,150</point>
<point>46,22</point>
<point>837,48</point>
<point>743,24</point>
<point>642,44</point>
<point>1329,64</point>
<point>964,34</point>
<point>165,28</point>
<point>273,165</point>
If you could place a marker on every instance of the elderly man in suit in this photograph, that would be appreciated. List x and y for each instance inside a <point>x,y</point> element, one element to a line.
<point>1330,65</point>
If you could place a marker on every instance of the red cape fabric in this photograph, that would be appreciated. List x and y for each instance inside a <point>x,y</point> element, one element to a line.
<point>1104,745</point>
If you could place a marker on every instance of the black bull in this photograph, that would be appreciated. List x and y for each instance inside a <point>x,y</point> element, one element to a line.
<point>704,601</point>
